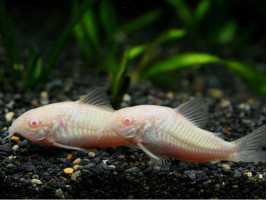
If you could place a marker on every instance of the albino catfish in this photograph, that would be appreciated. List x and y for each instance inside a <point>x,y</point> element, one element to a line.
<point>73,125</point>
<point>159,131</point>
<point>165,132</point>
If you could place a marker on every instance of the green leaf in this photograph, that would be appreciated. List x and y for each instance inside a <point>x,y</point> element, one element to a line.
<point>227,32</point>
<point>9,40</point>
<point>179,62</point>
<point>76,15</point>
<point>137,50</point>
<point>142,21</point>
<point>33,70</point>
<point>170,35</point>
<point>182,10</point>
<point>83,42</point>
<point>202,10</point>
<point>108,18</point>
<point>91,27</point>
<point>254,77</point>
<point>121,82</point>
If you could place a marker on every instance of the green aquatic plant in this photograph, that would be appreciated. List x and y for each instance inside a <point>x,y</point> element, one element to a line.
<point>254,77</point>
<point>102,18</point>
<point>39,64</point>
<point>120,81</point>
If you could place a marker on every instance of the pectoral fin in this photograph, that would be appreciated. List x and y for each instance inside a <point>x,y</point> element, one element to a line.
<point>158,160</point>
<point>69,147</point>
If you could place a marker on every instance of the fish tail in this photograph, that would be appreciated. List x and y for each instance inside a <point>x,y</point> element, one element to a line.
<point>250,147</point>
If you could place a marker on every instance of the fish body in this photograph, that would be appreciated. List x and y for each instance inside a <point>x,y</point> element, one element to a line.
<point>165,132</point>
<point>74,125</point>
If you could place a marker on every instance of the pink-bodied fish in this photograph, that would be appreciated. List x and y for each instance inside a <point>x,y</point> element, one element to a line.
<point>165,132</point>
<point>74,125</point>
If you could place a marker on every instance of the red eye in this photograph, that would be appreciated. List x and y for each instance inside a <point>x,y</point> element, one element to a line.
<point>34,122</point>
<point>127,121</point>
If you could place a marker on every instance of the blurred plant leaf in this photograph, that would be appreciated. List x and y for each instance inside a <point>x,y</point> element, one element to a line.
<point>142,21</point>
<point>83,42</point>
<point>201,10</point>
<point>9,40</point>
<point>179,62</point>
<point>182,10</point>
<point>171,34</point>
<point>108,18</point>
<point>254,77</point>
<point>76,15</point>
<point>164,37</point>
<point>137,50</point>
<point>91,27</point>
<point>121,82</point>
<point>227,32</point>
<point>33,70</point>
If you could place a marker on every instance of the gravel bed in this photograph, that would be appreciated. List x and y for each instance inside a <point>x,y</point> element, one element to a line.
<point>28,170</point>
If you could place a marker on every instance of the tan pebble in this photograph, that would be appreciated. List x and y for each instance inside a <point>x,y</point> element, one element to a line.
<point>75,167</point>
<point>91,154</point>
<point>224,103</point>
<point>44,98</point>
<point>15,147</point>
<point>235,186</point>
<point>249,174</point>
<point>15,138</point>
<point>9,116</point>
<point>75,175</point>
<point>217,186</point>
<point>11,157</point>
<point>68,170</point>
<point>34,102</point>
<point>36,181</point>
<point>69,156</point>
<point>226,166</point>
<point>215,92</point>
<point>170,95</point>
<point>260,176</point>
<point>35,176</point>
<point>76,161</point>
<point>111,167</point>
<point>62,178</point>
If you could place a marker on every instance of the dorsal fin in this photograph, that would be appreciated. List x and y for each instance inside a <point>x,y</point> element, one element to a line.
<point>196,111</point>
<point>97,97</point>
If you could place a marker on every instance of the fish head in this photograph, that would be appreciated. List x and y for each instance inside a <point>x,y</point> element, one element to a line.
<point>35,125</point>
<point>126,124</point>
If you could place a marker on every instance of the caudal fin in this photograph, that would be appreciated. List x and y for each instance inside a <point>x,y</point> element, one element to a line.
<point>250,146</point>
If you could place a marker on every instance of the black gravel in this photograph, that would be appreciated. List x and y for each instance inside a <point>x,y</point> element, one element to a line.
<point>29,170</point>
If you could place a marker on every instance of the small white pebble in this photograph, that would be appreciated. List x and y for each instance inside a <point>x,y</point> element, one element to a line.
<point>127,98</point>
<point>11,157</point>
<point>36,181</point>
<point>15,147</point>
<point>105,161</point>
<point>260,176</point>
<point>249,174</point>
<point>9,116</point>
<point>91,154</point>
